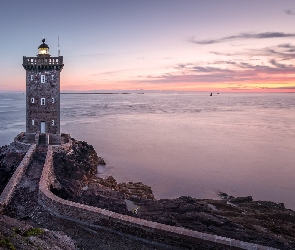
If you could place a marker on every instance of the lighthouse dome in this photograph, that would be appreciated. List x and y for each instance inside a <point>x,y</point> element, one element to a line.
<point>43,49</point>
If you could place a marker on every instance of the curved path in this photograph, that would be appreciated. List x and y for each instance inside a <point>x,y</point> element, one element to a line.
<point>24,205</point>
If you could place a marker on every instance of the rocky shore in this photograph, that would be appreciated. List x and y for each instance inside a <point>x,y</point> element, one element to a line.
<point>34,227</point>
<point>261,222</point>
<point>15,234</point>
<point>10,158</point>
<point>76,180</point>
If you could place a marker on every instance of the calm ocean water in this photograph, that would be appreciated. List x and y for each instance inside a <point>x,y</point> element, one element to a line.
<point>182,144</point>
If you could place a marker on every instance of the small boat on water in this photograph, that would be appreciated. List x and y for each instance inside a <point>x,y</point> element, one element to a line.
<point>211,94</point>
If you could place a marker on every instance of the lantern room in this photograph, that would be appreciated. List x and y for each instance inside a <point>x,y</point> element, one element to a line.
<point>43,49</point>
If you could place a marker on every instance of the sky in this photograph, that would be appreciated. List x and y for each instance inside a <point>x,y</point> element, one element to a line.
<point>182,45</point>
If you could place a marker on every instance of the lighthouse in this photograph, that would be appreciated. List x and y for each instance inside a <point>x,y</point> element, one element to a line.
<point>43,96</point>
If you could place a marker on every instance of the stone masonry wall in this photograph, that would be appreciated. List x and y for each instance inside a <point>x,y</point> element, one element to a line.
<point>19,144</point>
<point>152,231</point>
<point>16,177</point>
<point>62,147</point>
<point>50,90</point>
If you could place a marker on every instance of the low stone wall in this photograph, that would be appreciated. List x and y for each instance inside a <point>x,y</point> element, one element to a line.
<point>54,139</point>
<point>15,178</point>
<point>133,227</point>
<point>17,143</point>
<point>65,146</point>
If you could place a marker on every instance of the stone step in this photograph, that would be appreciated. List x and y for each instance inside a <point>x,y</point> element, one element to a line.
<point>42,139</point>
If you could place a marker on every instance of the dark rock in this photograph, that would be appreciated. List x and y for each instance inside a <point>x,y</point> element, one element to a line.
<point>101,161</point>
<point>10,158</point>
<point>15,235</point>
<point>76,180</point>
<point>136,189</point>
<point>223,195</point>
<point>240,199</point>
<point>240,218</point>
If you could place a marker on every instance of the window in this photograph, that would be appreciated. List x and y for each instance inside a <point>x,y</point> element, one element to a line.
<point>52,100</point>
<point>42,78</point>
<point>32,77</point>
<point>32,100</point>
<point>52,122</point>
<point>52,77</point>
<point>42,101</point>
<point>33,122</point>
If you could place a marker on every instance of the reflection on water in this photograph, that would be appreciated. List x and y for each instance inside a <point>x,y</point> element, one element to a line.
<point>187,144</point>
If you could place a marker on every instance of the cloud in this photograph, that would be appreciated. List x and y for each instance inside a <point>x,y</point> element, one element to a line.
<point>221,54</point>
<point>199,69</point>
<point>202,69</point>
<point>289,87</point>
<point>113,72</point>
<point>264,35</point>
<point>266,68</point>
<point>182,66</point>
<point>280,52</point>
<point>276,52</point>
<point>286,46</point>
<point>290,48</point>
<point>278,65</point>
<point>250,87</point>
<point>290,12</point>
<point>251,74</point>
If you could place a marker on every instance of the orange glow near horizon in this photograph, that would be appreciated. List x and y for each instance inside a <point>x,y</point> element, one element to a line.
<point>78,82</point>
<point>183,86</point>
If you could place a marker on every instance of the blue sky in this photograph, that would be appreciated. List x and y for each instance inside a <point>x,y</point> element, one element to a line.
<point>209,45</point>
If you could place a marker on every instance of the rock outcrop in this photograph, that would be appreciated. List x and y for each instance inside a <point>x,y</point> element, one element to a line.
<point>76,180</point>
<point>15,234</point>
<point>241,218</point>
<point>10,158</point>
<point>261,222</point>
<point>25,206</point>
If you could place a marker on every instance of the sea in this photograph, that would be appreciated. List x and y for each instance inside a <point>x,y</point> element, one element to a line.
<point>182,144</point>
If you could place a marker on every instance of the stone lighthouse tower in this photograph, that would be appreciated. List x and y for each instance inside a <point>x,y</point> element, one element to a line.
<point>43,95</point>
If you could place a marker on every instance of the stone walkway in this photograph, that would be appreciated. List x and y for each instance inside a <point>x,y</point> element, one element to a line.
<point>24,206</point>
<point>24,200</point>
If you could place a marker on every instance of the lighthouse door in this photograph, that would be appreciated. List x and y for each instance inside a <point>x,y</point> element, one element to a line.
<point>42,127</point>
